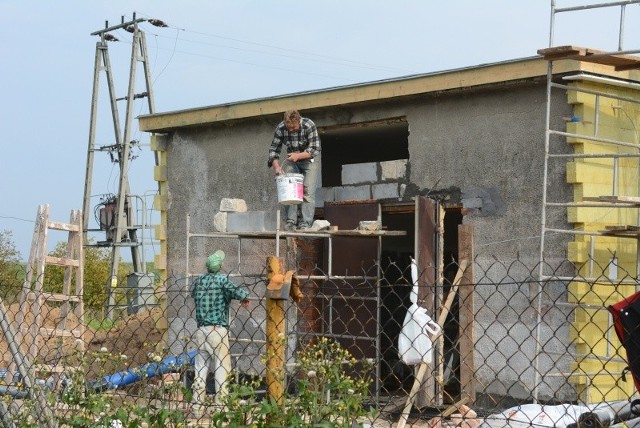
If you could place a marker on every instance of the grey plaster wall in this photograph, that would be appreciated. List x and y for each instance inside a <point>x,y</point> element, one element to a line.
<point>483,150</point>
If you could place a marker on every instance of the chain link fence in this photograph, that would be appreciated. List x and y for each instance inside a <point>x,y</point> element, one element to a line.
<point>335,355</point>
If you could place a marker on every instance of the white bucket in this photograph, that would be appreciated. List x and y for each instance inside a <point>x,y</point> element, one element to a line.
<point>290,188</point>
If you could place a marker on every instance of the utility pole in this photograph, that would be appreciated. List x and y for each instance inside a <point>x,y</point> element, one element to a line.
<point>117,217</point>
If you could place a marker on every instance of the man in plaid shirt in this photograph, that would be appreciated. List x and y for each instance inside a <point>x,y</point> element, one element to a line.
<point>212,293</point>
<point>299,136</point>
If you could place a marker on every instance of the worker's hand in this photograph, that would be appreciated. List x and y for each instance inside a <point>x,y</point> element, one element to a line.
<point>298,156</point>
<point>246,303</point>
<point>293,157</point>
<point>276,167</point>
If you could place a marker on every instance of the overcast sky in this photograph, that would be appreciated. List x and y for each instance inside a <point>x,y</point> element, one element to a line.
<point>217,51</point>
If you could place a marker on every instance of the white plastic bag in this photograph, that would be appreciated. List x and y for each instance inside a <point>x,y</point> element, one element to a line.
<point>414,342</point>
<point>537,415</point>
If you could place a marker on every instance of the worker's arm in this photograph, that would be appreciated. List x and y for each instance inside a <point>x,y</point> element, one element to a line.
<point>298,156</point>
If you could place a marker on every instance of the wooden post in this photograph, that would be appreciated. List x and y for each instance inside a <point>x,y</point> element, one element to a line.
<point>467,335</point>
<point>276,337</point>
<point>422,367</point>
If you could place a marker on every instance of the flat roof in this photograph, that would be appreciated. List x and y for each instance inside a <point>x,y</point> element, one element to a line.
<point>461,78</point>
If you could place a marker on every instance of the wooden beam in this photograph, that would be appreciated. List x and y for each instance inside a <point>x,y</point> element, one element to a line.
<point>467,336</point>
<point>275,339</point>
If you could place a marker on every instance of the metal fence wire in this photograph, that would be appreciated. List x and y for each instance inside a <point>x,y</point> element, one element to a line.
<point>531,349</point>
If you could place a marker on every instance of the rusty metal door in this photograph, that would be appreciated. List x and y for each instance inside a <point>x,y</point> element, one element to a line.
<point>352,308</point>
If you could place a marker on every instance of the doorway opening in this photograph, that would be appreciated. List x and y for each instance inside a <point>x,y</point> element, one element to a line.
<point>396,255</point>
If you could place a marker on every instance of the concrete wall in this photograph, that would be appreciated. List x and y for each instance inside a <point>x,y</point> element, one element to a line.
<point>483,150</point>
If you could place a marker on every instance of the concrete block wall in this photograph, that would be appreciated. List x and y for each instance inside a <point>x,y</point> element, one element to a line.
<point>371,180</point>
<point>234,216</point>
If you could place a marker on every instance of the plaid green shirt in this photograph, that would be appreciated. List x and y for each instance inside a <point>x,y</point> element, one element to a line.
<point>212,293</point>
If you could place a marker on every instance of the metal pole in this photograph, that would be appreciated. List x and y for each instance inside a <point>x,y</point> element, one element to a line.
<point>44,414</point>
<point>115,253</point>
<point>623,8</point>
<point>552,19</point>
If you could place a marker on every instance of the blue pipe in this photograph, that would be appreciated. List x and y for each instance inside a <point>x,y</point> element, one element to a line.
<point>129,376</point>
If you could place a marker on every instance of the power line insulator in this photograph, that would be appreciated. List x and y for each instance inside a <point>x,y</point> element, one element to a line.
<point>157,23</point>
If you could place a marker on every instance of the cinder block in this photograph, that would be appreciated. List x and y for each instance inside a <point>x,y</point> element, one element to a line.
<point>251,221</point>
<point>359,173</point>
<point>393,170</point>
<point>233,205</point>
<point>351,193</point>
<point>220,221</point>
<point>385,191</point>
<point>325,194</point>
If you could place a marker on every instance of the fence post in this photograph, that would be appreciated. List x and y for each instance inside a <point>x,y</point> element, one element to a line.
<point>276,335</point>
<point>43,413</point>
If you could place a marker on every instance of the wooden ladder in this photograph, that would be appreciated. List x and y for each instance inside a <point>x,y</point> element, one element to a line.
<point>33,296</point>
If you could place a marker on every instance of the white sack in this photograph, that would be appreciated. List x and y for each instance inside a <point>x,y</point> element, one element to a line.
<point>414,342</point>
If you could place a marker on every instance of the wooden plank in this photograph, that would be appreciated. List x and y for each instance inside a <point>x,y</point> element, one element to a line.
<point>561,52</point>
<point>466,314</point>
<point>442,318</point>
<point>454,407</point>
<point>59,297</point>
<point>422,369</point>
<point>50,368</point>
<point>620,62</point>
<point>615,228</point>
<point>614,199</point>
<point>51,332</point>
<point>56,225</point>
<point>622,233</point>
<point>61,261</point>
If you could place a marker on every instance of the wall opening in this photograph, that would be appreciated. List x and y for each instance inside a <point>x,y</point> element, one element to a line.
<point>395,260</point>
<point>361,143</point>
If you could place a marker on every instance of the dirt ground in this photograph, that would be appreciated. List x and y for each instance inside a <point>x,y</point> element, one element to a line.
<point>136,337</point>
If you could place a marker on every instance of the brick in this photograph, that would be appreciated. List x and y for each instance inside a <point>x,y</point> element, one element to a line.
<point>349,193</point>
<point>385,191</point>
<point>220,221</point>
<point>233,205</point>
<point>251,221</point>
<point>393,170</point>
<point>359,173</point>
<point>325,194</point>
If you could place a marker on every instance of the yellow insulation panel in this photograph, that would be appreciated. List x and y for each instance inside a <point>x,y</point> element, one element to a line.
<point>598,377</point>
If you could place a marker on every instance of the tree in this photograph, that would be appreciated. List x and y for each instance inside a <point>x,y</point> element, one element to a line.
<point>11,271</point>
<point>97,272</point>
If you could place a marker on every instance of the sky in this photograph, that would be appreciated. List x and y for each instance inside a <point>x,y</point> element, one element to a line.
<point>220,51</point>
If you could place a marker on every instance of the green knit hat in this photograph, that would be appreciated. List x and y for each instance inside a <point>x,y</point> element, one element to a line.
<point>214,261</point>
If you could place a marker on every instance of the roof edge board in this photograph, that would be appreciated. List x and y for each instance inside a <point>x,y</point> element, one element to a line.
<point>372,91</point>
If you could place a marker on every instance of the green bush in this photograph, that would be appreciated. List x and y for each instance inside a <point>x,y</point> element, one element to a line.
<point>327,394</point>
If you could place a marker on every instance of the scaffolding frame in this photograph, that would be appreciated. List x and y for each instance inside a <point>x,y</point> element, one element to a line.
<point>279,235</point>
<point>620,59</point>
